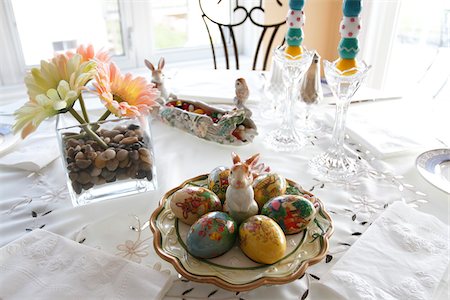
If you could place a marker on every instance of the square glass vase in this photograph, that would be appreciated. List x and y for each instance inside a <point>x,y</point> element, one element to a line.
<point>107,159</point>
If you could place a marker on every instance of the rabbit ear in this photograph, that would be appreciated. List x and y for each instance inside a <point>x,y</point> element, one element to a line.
<point>235,158</point>
<point>252,160</point>
<point>149,65</point>
<point>161,63</point>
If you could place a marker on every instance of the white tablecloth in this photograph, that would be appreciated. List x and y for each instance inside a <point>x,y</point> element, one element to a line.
<point>31,200</point>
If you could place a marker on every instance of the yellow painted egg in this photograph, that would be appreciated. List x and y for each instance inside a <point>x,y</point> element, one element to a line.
<point>191,202</point>
<point>344,64</point>
<point>218,181</point>
<point>267,186</point>
<point>262,239</point>
<point>293,51</point>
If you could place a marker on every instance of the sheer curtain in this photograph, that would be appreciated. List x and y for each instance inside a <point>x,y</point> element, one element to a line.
<point>11,65</point>
<point>407,43</point>
<point>379,26</point>
<point>421,52</point>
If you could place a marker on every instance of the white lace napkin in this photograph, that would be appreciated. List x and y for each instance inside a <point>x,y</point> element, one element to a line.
<point>32,154</point>
<point>402,255</point>
<point>43,265</point>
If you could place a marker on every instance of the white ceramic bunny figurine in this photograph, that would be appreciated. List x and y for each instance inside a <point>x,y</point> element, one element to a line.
<point>158,80</point>
<point>240,203</point>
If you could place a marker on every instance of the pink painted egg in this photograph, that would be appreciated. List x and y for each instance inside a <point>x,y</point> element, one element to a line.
<point>191,202</point>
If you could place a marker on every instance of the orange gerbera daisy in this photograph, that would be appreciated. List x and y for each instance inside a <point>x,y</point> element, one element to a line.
<point>88,53</point>
<point>124,95</point>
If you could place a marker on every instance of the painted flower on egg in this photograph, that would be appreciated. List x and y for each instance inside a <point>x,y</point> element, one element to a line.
<point>292,212</point>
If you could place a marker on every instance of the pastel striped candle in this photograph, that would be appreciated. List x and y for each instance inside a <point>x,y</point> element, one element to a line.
<point>349,28</point>
<point>295,20</point>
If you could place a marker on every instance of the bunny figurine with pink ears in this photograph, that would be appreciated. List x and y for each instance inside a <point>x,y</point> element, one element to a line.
<point>239,200</point>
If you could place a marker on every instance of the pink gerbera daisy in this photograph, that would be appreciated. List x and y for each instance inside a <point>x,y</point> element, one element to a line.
<point>124,95</point>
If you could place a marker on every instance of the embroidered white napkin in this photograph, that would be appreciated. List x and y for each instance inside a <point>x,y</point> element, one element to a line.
<point>32,154</point>
<point>402,255</point>
<point>48,266</point>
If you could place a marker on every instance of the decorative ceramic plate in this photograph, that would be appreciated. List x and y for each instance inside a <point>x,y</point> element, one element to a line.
<point>434,166</point>
<point>233,270</point>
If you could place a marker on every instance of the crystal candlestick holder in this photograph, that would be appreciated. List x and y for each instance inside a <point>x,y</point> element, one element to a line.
<point>273,92</point>
<point>286,138</point>
<point>335,164</point>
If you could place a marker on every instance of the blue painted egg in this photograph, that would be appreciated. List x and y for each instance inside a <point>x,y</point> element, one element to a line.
<point>292,212</point>
<point>212,235</point>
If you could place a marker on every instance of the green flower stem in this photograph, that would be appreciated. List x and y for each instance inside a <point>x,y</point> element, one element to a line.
<point>83,108</point>
<point>74,113</point>
<point>104,116</point>
<point>94,135</point>
<point>88,129</point>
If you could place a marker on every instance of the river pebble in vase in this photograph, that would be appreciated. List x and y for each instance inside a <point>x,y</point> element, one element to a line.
<point>94,173</point>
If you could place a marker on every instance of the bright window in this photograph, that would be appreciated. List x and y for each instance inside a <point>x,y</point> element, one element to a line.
<point>132,31</point>
<point>62,25</point>
<point>420,56</point>
<point>178,23</point>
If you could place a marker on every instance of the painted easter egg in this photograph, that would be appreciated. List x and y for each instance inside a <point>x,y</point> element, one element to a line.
<point>212,235</point>
<point>292,212</point>
<point>293,52</point>
<point>296,4</point>
<point>295,19</point>
<point>294,36</point>
<point>351,8</point>
<point>262,239</point>
<point>191,202</point>
<point>348,48</point>
<point>350,27</point>
<point>218,181</point>
<point>267,186</point>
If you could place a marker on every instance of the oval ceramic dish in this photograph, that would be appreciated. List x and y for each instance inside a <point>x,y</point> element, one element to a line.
<point>223,130</point>
<point>233,270</point>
